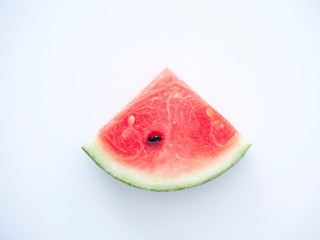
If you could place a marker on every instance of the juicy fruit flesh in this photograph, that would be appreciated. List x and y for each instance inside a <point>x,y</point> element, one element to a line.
<point>192,133</point>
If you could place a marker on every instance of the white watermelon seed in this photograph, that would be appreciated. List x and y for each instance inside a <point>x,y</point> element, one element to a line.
<point>209,112</point>
<point>131,120</point>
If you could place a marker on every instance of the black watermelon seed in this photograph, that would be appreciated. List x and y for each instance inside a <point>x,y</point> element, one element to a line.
<point>154,139</point>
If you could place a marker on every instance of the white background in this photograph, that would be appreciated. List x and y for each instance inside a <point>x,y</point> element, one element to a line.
<point>66,67</point>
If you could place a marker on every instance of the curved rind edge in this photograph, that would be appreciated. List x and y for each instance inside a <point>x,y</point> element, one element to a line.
<point>99,156</point>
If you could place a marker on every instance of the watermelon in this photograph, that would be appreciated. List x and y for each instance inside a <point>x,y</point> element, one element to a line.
<point>167,138</point>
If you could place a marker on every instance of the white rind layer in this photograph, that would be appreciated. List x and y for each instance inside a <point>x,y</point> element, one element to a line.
<point>156,183</point>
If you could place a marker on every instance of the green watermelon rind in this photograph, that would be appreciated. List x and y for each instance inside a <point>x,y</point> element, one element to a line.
<point>231,156</point>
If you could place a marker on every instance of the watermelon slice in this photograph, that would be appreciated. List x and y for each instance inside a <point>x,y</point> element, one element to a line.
<point>167,138</point>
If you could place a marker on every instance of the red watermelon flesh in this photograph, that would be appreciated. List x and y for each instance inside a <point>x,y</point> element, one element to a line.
<point>167,138</point>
